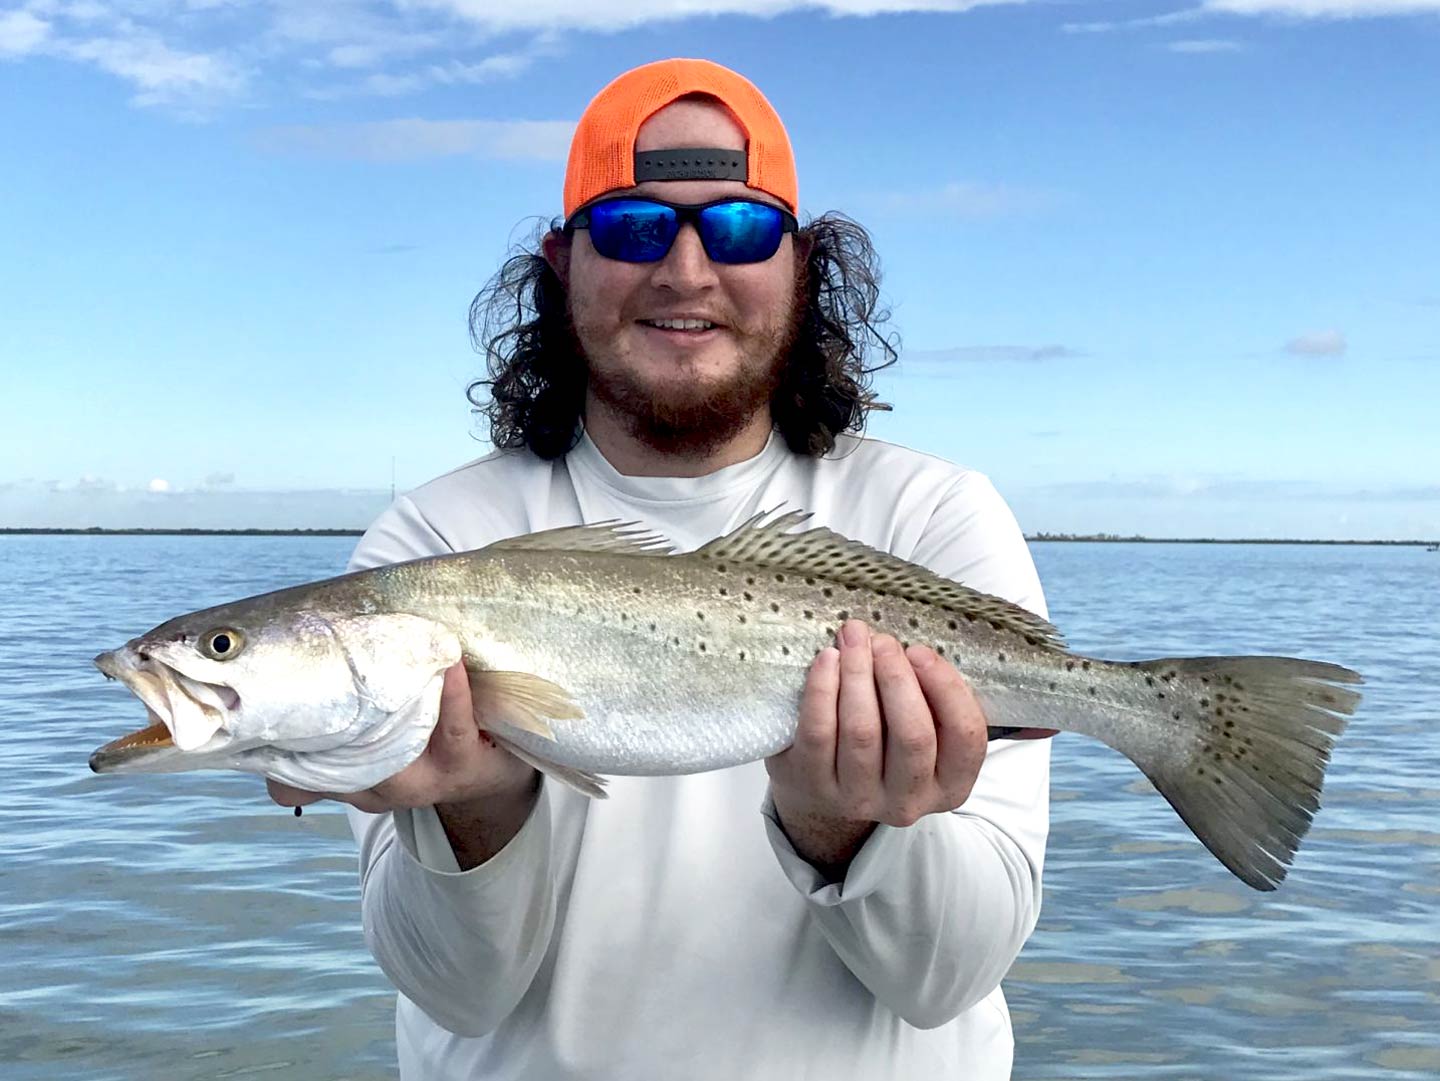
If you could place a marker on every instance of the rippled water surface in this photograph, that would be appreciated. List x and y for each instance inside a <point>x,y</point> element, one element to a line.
<point>183,927</point>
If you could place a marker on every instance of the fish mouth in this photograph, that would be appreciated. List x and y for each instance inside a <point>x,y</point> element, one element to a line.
<point>186,715</point>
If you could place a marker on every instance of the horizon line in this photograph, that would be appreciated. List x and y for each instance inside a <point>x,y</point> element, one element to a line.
<point>1031,538</point>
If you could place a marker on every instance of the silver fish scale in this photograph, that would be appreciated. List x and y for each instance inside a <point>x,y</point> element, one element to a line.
<point>682,665</point>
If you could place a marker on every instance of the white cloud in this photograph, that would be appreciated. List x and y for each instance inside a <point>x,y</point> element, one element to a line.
<point>505,15</point>
<point>21,32</point>
<point>1205,45</point>
<point>1319,343</point>
<point>1294,9</point>
<point>929,361</point>
<point>161,74</point>
<point>968,199</point>
<point>159,486</point>
<point>413,139</point>
<point>1325,9</point>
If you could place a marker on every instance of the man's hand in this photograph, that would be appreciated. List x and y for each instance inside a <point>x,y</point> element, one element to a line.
<point>482,792</point>
<point>885,735</point>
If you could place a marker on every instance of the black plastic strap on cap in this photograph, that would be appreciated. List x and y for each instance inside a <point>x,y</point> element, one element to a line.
<point>697,163</point>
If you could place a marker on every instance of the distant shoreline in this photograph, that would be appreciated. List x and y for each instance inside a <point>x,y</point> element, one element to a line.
<point>1063,538</point>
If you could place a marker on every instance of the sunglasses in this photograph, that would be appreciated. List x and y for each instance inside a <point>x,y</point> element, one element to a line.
<point>636,230</point>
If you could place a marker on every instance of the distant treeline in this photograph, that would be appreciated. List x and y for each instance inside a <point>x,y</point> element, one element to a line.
<point>1090,538</point>
<point>96,531</point>
<point>1116,538</point>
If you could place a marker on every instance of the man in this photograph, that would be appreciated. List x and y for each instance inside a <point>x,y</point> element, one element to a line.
<point>848,908</point>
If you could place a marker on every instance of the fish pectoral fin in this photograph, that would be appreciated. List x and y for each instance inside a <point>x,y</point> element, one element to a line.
<point>587,784</point>
<point>524,701</point>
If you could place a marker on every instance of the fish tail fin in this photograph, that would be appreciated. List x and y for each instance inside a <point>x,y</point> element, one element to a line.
<point>1249,782</point>
<point>588,784</point>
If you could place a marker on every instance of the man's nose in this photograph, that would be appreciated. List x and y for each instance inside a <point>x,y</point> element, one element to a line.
<point>686,266</point>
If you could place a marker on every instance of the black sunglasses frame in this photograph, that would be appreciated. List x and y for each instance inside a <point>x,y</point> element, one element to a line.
<point>684,212</point>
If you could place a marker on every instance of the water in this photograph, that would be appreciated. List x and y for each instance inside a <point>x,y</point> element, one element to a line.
<point>182,926</point>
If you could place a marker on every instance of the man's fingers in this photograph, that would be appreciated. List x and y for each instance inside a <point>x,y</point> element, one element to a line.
<point>960,730</point>
<point>859,746</point>
<point>814,748</point>
<point>287,796</point>
<point>457,728</point>
<point>909,730</point>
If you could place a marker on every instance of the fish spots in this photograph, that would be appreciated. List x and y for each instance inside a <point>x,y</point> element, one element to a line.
<point>652,626</point>
<point>953,624</point>
<point>1160,695</point>
<point>722,568</point>
<point>842,616</point>
<point>748,595</point>
<point>1085,665</point>
<point>1000,657</point>
<point>785,651</point>
<point>636,590</point>
<point>939,651</point>
<point>875,616</point>
<point>809,581</point>
<point>774,606</point>
<point>1149,681</point>
<point>913,623</point>
<point>724,592</point>
<point>779,578</point>
<point>741,617</point>
<point>1175,714</point>
<point>749,579</point>
<point>1069,666</point>
<point>742,654</point>
<point>1054,687</point>
<point>702,647</point>
<point>809,614</point>
<point>1204,702</point>
<point>700,616</point>
<point>827,592</point>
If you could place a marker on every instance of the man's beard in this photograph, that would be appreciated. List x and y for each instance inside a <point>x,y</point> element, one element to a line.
<point>695,421</point>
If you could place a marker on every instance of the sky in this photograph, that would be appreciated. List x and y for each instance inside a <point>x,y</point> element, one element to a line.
<point>1157,268</point>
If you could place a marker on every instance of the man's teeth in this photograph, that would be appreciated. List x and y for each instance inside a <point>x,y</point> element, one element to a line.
<point>680,324</point>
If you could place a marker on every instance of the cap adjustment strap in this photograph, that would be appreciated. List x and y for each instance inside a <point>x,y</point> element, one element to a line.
<point>691,163</point>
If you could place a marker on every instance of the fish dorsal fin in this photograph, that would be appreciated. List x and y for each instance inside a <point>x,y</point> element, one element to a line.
<point>615,537</point>
<point>836,558</point>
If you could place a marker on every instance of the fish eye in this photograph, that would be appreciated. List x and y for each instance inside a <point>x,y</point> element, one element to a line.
<point>222,643</point>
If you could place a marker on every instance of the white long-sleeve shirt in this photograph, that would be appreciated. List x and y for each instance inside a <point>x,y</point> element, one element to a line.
<point>671,931</point>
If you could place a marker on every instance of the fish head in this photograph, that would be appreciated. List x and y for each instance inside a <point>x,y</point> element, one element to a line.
<point>327,701</point>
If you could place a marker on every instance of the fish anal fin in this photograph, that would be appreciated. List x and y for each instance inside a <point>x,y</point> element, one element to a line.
<point>765,540</point>
<point>522,700</point>
<point>587,784</point>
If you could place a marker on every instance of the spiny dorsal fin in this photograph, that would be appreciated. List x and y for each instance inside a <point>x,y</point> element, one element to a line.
<point>826,554</point>
<point>615,537</point>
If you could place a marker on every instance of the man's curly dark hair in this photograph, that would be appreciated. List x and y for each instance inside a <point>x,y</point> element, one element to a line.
<point>538,377</point>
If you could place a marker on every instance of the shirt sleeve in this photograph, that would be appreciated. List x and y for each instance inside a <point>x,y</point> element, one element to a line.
<point>930,917</point>
<point>463,946</point>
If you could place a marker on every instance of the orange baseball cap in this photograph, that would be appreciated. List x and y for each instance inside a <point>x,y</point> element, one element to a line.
<point>602,153</point>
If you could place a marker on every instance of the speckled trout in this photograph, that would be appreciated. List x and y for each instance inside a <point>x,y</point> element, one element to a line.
<point>597,650</point>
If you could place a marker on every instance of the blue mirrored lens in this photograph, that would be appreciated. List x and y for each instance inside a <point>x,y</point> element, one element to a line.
<point>633,230</point>
<point>741,232</point>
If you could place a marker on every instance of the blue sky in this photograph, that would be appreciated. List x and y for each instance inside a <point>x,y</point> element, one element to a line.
<point>1158,268</point>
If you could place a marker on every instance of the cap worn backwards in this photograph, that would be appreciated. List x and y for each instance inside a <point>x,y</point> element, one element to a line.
<point>603,156</point>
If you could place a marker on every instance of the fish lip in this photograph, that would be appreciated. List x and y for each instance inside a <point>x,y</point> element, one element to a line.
<point>151,681</point>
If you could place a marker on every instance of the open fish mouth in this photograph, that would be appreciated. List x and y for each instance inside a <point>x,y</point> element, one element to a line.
<point>185,714</point>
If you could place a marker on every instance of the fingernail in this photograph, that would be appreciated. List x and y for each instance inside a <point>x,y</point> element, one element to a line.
<point>828,658</point>
<point>883,645</point>
<point>855,633</point>
<point>921,656</point>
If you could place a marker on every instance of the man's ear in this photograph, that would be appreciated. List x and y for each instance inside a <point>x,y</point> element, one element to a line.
<point>556,249</point>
